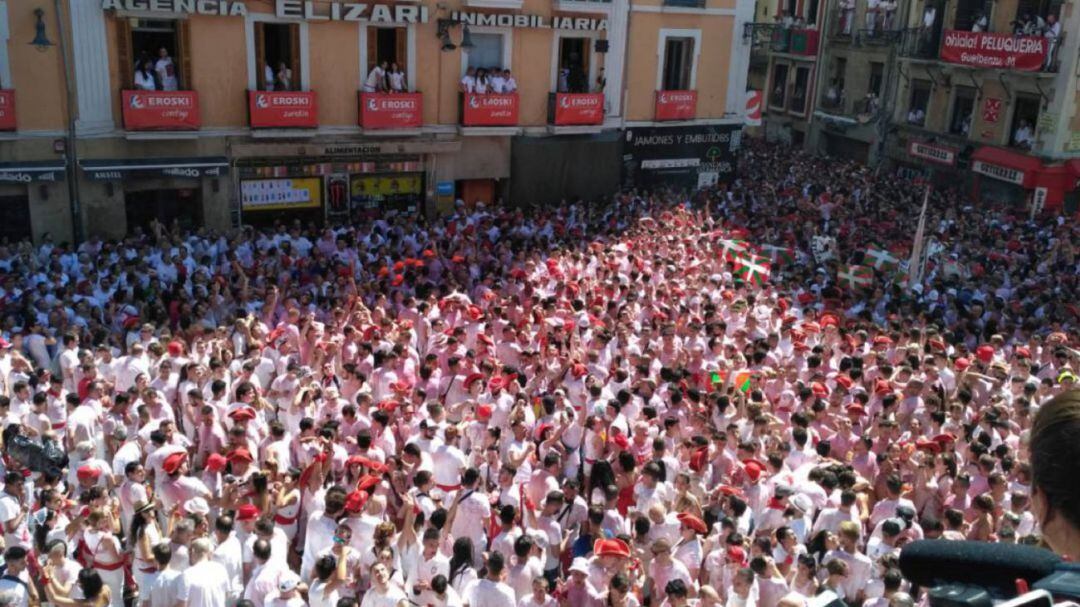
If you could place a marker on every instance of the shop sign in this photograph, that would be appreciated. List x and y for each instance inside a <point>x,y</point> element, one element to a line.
<point>526,21</point>
<point>27,173</point>
<point>998,172</point>
<point>184,168</point>
<point>994,51</point>
<point>7,110</point>
<point>579,108</point>
<point>489,110</point>
<point>683,155</point>
<point>161,110</point>
<point>1074,141</point>
<point>676,105</point>
<point>934,153</point>
<point>278,194</point>
<point>283,109</point>
<point>283,9</point>
<point>391,110</point>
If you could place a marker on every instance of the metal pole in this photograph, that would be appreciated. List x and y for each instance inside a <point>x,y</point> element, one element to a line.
<point>71,154</point>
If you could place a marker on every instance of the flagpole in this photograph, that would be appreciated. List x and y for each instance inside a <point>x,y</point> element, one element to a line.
<point>915,267</point>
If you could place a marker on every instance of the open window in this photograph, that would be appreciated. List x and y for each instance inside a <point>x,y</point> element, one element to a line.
<point>1024,120</point>
<point>833,97</point>
<point>799,91</point>
<point>918,102</point>
<point>277,56</point>
<point>877,77</point>
<point>778,92</point>
<point>388,47</point>
<point>573,76</point>
<point>970,13</point>
<point>678,63</point>
<point>154,54</point>
<point>811,12</point>
<point>963,110</point>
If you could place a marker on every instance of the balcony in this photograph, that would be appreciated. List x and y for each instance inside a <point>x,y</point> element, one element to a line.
<point>777,38</point>
<point>878,37</point>
<point>161,110</point>
<point>283,109</point>
<point>488,110</point>
<point>982,50</point>
<point>575,109</point>
<point>391,111</point>
<point>7,110</point>
<point>676,105</point>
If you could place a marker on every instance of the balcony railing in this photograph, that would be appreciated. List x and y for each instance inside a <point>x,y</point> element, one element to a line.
<point>877,37</point>
<point>778,38</point>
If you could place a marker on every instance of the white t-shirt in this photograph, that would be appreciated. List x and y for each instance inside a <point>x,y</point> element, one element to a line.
<point>485,593</point>
<point>204,585</point>
<point>394,597</point>
<point>468,83</point>
<point>9,510</point>
<point>163,591</point>
<point>374,79</point>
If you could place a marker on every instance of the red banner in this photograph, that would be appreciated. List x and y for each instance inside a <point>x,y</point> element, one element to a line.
<point>997,51</point>
<point>161,110</point>
<point>7,110</point>
<point>676,105</point>
<point>579,108</point>
<point>391,110</point>
<point>489,110</point>
<point>283,109</point>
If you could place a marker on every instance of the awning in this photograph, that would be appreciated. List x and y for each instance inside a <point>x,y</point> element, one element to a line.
<point>1074,169</point>
<point>33,170</point>
<point>126,168</point>
<point>1006,165</point>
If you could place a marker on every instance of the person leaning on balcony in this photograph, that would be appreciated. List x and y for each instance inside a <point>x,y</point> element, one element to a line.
<point>483,84</point>
<point>847,16</point>
<point>511,83</point>
<point>468,81</point>
<point>872,7</point>
<point>497,82</point>
<point>1053,36</point>
<point>396,78</point>
<point>144,76</point>
<point>1023,137</point>
<point>376,79</point>
<point>283,78</point>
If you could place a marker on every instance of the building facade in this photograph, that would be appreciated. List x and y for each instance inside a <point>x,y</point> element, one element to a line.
<point>216,112</point>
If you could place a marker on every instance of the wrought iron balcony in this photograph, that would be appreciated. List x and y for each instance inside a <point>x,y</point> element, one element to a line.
<point>877,37</point>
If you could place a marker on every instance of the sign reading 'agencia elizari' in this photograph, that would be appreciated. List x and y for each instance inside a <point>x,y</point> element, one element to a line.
<point>308,10</point>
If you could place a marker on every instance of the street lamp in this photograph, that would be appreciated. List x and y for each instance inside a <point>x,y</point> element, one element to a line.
<point>41,40</point>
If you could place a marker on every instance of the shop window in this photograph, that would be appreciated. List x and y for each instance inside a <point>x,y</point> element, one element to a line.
<point>488,51</point>
<point>1025,117</point>
<point>918,102</point>
<point>573,76</point>
<point>154,54</point>
<point>963,109</point>
<point>798,93</point>
<point>877,77</point>
<point>387,47</point>
<point>181,206</point>
<point>678,63</point>
<point>277,56</point>
<point>778,97</point>
<point>972,15</point>
<point>15,209</point>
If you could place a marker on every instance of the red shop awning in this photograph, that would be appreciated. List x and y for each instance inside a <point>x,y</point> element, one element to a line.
<point>1006,165</point>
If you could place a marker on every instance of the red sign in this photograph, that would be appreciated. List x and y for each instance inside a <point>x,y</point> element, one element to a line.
<point>283,109</point>
<point>934,153</point>
<point>7,110</point>
<point>676,105</point>
<point>991,109</point>
<point>994,51</point>
<point>753,108</point>
<point>391,110</point>
<point>489,110</point>
<point>161,110</point>
<point>579,108</point>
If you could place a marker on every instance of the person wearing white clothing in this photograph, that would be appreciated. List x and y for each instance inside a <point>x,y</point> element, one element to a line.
<point>491,591</point>
<point>383,593</point>
<point>229,554</point>
<point>204,584</point>
<point>162,588</point>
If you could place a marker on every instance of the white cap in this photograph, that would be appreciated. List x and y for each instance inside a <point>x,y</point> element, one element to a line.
<point>581,565</point>
<point>289,581</point>
<point>197,505</point>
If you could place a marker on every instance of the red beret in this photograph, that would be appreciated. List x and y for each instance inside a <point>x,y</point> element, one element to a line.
<point>243,414</point>
<point>215,462</point>
<point>611,547</point>
<point>356,500</point>
<point>844,382</point>
<point>472,378</point>
<point>621,441</point>
<point>856,409</point>
<point>240,454</point>
<point>483,412</point>
<point>367,482</point>
<point>985,353</point>
<point>247,512</point>
<point>819,389</point>
<point>88,473</point>
<point>172,462</point>
<point>962,363</point>
<point>693,522</point>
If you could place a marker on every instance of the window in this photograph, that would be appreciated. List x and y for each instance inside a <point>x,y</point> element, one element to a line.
<point>678,63</point>
<point>918,102</point>
<point>154,54</point>
<point>798,94</point>
<point>387,45</point>
<point>834,94</point>
<point>1025,118</point>
<point>573,76</point>
<point>972,13</point>
<point>277,56</point>
<point>963,108</point>
<point>779,86</point>
<point>877,77</point>
<point>487,51</point>
<point>811,12</point>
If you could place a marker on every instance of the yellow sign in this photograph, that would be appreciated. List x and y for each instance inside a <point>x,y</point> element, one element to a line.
<point>279,194</point>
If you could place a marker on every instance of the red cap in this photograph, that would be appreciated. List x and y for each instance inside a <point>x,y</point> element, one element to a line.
<point>882,340</point>
<point>882,387</point>
<point>737,554</point>
<point>579,370</point>
<point>172,463</point>
<point>1023,352</point>
<point>732,491</point>
<point>389,406</point>
<point>367,482</point>
<point>693,522</point>
<point>944,438</point>
<point>844,382</point>
<point>88,473</point>
<point>699,459</point>
<point>753,469</point>
<point>819,389</point>
<point>856,409</point>
<point>240,454</point>
<point>928,445</point>
<point>937,343</point>
<point>400,386</point>
<point>483,412</point>
<point>399,279</point>
<point>356,500</point>
<point>962,363</point>
<point>472,378</point>
<point>985,353</point>
<point>243,414</point>
<point>175,348</point>
<point>621,441</point>
<point>475,312</point>
<point>215,462</point>
<point>612,547</point>
<point>496,383</point>
<point>247,512</point>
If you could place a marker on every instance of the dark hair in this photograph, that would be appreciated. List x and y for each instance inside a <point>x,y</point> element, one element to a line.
<point>1054,451</point>
<point>462,556</point>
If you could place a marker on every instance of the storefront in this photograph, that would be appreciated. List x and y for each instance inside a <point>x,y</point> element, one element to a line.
<point>183,192</point>
<point>28,189</point>
<point>685,156</point>
<point>1004,175</point>
<point>934,162</point>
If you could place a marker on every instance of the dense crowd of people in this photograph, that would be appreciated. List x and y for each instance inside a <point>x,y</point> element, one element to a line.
<point>574,404</point>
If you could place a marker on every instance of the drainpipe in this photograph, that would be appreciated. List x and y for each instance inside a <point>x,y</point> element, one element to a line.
<point>71,154</point>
